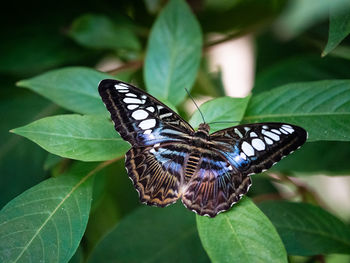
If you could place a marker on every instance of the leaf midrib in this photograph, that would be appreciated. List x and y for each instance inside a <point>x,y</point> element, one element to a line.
<point>52,214</point>
<point>65,136</point>
<point>238,240</point>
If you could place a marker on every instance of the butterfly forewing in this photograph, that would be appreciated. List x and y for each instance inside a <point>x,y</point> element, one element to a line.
<point>253,148</point>
<point>138,117</point>
<point>168,160</point>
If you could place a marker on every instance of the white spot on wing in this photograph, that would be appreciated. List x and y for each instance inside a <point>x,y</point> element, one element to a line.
<point>238,132</point>
<point>123,90</point>
<point>123,84</point>
<point>288,128</point>
<point>246,128</point>
<point>283,131</point>
<point>159,107</point>
<point>132,107</point>
<point>258,144</point>
<point>139,114</point>
<point>247,149</point>
<point>253,134</point>
<point>276,131</point>
<point>151,109</point>
<point>243,156</point>
<point>147,131</point>
<point>273,136</point>
<point>131,100</point>
<point>268,140</point>
<point>166,115</point>
<point>131,95</point>
<point>147,124</point>
<point>120,86</point>
<point>265,127</point>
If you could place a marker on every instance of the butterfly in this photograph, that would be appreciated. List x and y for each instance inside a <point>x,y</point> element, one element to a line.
<point>169,160</point>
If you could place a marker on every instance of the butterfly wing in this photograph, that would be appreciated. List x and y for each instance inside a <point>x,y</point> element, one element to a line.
<point>215,186</point>
<point>254,148</point>
<point>138,117</point>
<point>222,177</point>
<point>156,133</point>
<point>157,172</point>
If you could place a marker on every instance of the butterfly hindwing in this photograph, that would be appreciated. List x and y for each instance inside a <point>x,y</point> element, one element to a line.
<point>138,117</point>
<point>215,186</point>
<point>157,172</point>
<point>253,148</point>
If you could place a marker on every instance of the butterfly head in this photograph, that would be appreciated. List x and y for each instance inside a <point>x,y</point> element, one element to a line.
<point>203,131</point>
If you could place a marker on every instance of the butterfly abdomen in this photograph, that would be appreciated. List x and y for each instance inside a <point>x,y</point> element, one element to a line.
<point>191,165</point>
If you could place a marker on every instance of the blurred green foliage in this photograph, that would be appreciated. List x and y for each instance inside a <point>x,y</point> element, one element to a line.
<point>76,203</point>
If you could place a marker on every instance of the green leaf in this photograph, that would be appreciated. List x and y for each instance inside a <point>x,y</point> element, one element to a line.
<point>308,160</point>
<point>173,53</point>
<point>21,165</point>
<point>152,234</point>
<point>85,138</point>
<point>224,109</point>
<point>47,222</point>
<point>320,107</point>
<point>306,229</point>
<point>301,68</point>
<point>99,32</point>
<point>243,234</point>
<point>339,28</point>
<point>73,88</point>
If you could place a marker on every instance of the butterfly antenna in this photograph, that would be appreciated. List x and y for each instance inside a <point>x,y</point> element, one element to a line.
<point>195,104</point>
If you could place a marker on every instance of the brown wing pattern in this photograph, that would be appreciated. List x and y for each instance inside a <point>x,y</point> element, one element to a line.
<point>156,173</point>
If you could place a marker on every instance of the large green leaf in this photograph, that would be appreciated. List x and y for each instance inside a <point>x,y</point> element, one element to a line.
<point>97,31</point>
<point>47,222</point>
<point>73,88</point>
<point>321,107</point>
<point>339,28</point>
<point>153,235</point>
<point>243,234</point>
<point>306,229</point>
<point>86,138</point>
<point>308,160</point>
<point>225,109</point>
<point>173,53</point>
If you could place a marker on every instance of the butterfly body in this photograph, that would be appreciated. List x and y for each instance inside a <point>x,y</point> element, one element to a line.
<point>169,160</point>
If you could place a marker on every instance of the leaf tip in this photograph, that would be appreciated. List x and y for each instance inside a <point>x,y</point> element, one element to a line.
<point>21,83</point>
